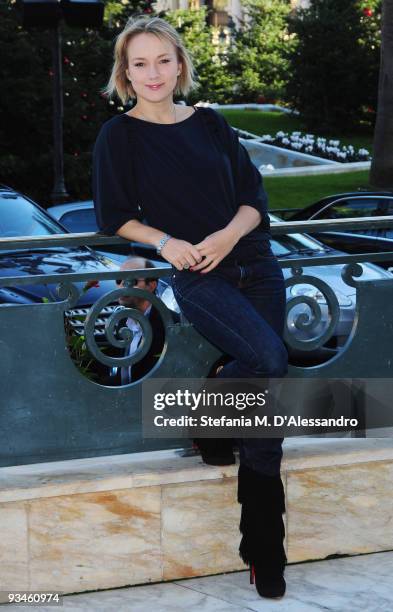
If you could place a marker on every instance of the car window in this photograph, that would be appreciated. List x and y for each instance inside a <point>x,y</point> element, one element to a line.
<point>83,220</point>
<point>19,217</point>
<point>361,207</point>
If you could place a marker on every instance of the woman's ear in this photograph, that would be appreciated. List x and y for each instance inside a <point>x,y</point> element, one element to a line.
<point>179,68</point>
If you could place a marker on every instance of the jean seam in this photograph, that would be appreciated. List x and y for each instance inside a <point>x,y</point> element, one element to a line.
<point>221,323</point>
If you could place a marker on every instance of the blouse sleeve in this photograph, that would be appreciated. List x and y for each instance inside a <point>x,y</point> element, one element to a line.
<point>247,178</point>
<point>113,186</point>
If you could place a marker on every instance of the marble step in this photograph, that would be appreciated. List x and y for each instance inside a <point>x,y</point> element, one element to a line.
<point>106,522</point>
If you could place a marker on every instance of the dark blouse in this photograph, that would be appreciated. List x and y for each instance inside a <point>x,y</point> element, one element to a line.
<point>177,177</point>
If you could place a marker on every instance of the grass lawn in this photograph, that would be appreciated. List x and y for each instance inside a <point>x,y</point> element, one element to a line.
<point>261,123</point>
<point>297,192</point>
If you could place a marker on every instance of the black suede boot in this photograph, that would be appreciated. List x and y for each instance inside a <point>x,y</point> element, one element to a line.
<point>262,527</point>
<point>216,451</point>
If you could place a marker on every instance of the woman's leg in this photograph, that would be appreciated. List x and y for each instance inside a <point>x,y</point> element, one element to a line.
<point>220,309</point>
<point>241,309</point>
<point>260,488</point>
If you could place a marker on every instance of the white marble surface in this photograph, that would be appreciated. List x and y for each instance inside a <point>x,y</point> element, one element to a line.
<point>200,534</point>
<point>118,472</point>
<point>95,540</point>
<point>344,509</point>
<point>350,584</point>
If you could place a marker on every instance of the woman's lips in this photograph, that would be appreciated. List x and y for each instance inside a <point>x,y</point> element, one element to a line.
<point>154,87</point>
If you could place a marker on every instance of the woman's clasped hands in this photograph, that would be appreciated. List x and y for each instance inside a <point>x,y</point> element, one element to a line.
<point>202,257</point>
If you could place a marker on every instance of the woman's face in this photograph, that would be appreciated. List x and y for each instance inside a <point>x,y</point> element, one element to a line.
<point>153,67</point>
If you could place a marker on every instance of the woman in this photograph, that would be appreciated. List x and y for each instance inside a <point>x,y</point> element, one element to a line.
<point>183,170</point>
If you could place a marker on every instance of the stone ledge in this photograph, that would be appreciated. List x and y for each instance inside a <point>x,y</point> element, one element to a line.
<point>93,474</point>
<point>107,522</point>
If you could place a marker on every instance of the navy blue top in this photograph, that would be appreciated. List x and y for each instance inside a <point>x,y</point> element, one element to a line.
<point>180,178</point>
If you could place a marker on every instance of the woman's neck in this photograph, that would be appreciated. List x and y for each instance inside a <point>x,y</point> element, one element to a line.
<point>159,112</point>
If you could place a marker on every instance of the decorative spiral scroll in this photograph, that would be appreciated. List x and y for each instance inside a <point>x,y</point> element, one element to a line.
<point>310,322</point>
<point>349,271</point>
<point>122,338</point>
<point>69,292</point>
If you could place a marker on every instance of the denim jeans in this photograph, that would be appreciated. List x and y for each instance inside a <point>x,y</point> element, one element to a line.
<point>240,307</point>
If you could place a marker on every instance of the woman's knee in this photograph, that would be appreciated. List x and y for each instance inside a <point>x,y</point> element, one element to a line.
<point>274,363</point>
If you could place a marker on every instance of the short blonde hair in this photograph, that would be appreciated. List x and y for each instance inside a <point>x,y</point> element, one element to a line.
<point>118,82</point>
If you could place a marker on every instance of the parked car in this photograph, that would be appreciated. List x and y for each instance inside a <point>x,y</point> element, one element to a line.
<point>20,216</point>
<point>75,216</point>
<point>353,204</point>
<point>289,246</point>
<point>80,217</point>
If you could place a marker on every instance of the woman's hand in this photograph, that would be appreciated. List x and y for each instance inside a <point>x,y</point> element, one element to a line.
<point>180,253</point>
<point>214,248</point>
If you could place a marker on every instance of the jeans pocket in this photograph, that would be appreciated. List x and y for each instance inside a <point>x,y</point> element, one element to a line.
<point>266,268</point>
<point>183,281</point>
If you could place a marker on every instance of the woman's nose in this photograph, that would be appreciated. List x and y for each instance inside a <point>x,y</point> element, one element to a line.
<point>153,72</point>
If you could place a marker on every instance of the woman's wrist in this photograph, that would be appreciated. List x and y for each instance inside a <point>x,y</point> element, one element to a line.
<point>246,219</point>
<point>162,243</point>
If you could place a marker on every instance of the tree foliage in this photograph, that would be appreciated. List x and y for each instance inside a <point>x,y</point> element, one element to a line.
<point>334,66</point>
<point>325,64</point>
<point>381,174</point>
<point>26,156</point>
<point>214,82</point>
<point>258,59</point>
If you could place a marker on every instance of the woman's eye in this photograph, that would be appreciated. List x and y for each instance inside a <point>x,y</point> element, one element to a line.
<point>139,64</point>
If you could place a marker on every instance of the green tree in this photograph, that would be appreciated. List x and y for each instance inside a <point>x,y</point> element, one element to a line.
<point>25,104</point>
<point>213,78</point>
<point>258,58</point>
<point>381,174</point>
<point>26,155</point>
<point>370,20</point>
<point>333,67</point>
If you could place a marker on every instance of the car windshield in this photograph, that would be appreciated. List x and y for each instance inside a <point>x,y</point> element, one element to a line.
<point>288,245</point>
<point>294,243</point>
<point>19,217</point>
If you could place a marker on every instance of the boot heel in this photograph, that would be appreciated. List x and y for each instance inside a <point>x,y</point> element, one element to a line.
<point>252,574</point>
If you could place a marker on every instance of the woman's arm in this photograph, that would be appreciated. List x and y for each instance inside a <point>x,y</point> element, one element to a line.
<point>216,246</point>
<point>176,252</point>
<point>246,219</point>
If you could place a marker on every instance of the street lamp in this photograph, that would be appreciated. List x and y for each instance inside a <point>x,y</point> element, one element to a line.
<point>47,14</point>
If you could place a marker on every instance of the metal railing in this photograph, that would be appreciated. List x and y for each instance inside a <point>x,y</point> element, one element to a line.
<point>49,410</point>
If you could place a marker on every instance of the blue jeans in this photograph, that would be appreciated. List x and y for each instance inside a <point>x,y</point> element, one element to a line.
<point>240,307</point>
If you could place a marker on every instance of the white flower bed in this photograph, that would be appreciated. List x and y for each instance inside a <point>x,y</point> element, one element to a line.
<point>314,145</point>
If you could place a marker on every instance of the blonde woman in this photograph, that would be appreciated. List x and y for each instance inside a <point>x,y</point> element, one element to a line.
<point>183,170</point>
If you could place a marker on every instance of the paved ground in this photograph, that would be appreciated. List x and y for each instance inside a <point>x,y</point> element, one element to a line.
<point>349,584</point>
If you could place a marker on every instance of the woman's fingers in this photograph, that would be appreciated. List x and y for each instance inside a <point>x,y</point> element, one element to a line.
<point>180,253</point>
<point>195,253</point>
<point>188,262</point>
<point>205,262</point>
<point>213,264</point>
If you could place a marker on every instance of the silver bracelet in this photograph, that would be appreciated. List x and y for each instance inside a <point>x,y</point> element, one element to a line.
<point>162,243</point>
